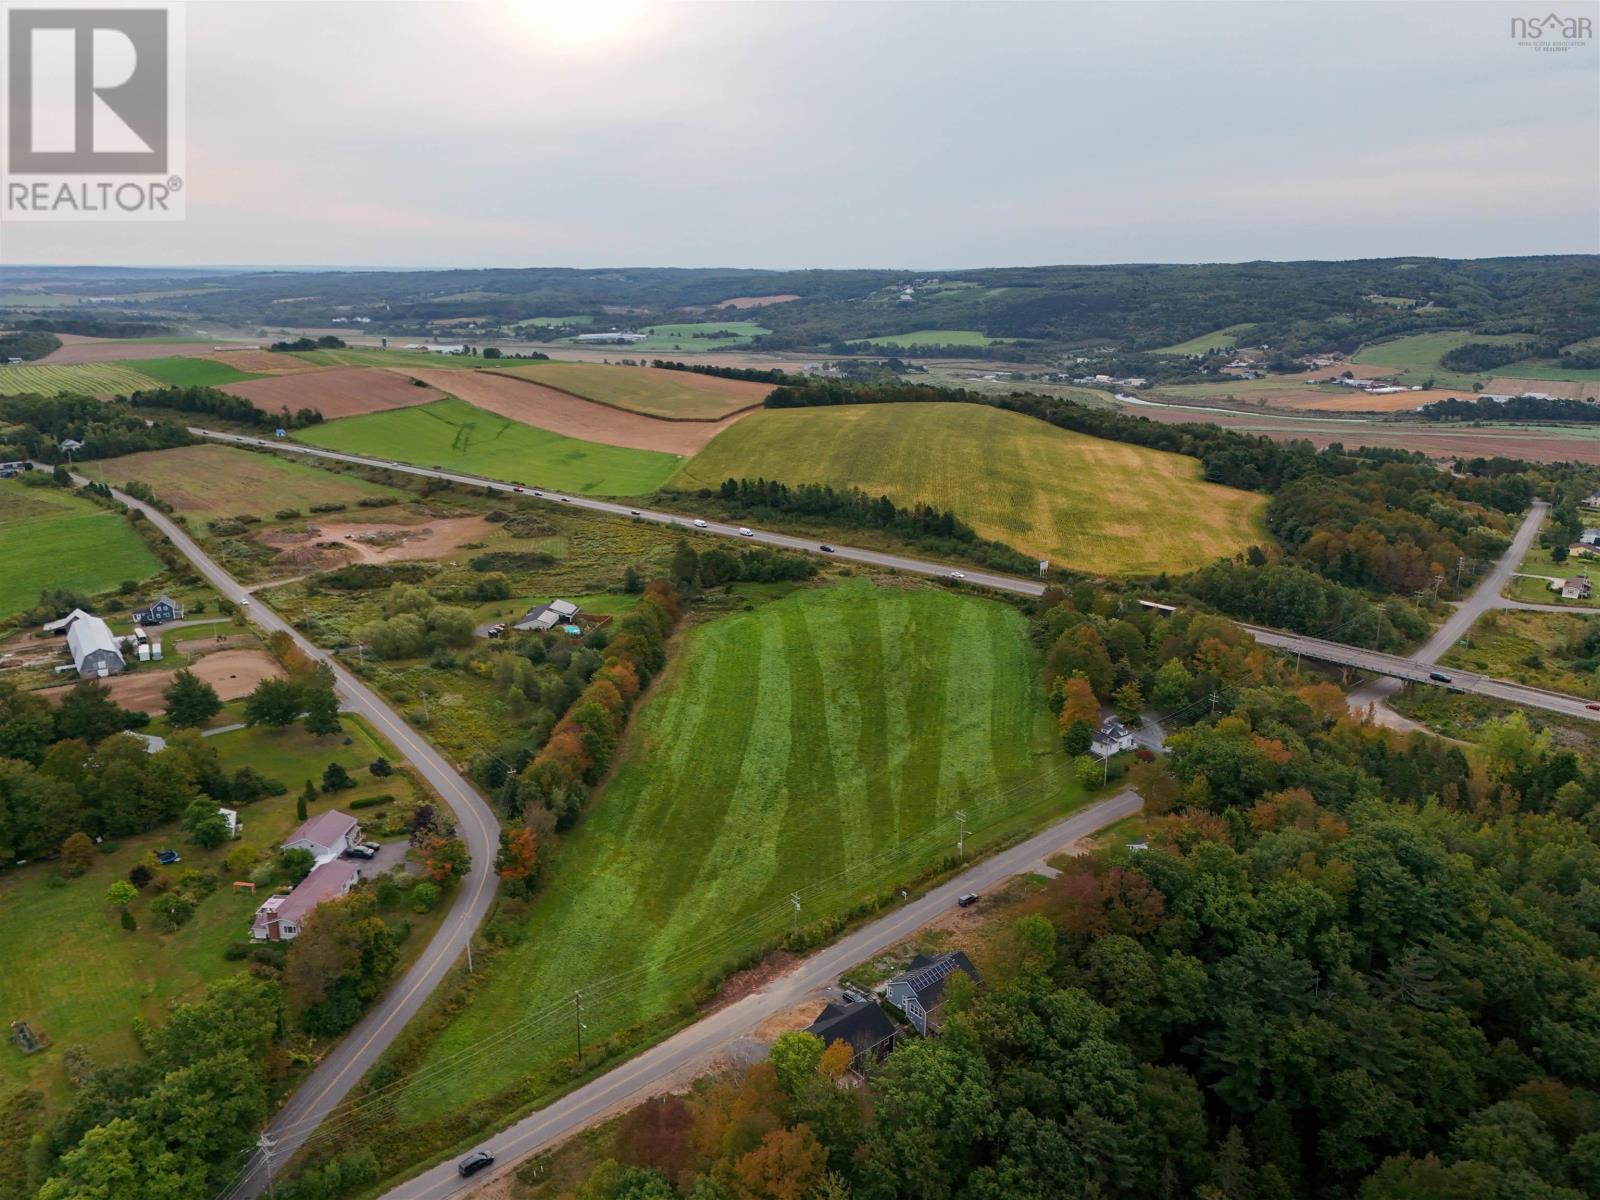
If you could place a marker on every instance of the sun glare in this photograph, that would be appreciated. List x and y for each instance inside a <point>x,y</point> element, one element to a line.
<point>579,24</point>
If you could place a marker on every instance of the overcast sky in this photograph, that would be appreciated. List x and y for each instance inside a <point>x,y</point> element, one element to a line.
<point>596,133</point>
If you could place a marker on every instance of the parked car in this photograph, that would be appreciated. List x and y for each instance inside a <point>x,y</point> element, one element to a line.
<point>743,532</point>
<point>825,548</point>
<point>966,899</point>
<point>475,1162</point>
<point>497,629</point>
<point>1439,677</point>
<point>364,850</point>
<point>699,524</point>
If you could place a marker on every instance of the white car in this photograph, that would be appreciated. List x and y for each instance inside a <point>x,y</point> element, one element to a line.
<point>957,575</point>
<point>743,532</point>
<point>699,524</point>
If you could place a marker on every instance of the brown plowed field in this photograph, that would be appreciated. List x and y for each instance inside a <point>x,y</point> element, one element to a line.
<point>563,413</point>
<point>99,350</point>
<point>335,392</point>
<point>254,361</point>
<point>234,673</point>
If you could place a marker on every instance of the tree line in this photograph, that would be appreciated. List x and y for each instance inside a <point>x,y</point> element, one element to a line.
<point>225,405</point>
<point>37,425</point>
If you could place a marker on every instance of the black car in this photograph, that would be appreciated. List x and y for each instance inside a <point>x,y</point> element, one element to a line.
<point>475,1162</point>
<point>825,548</point>
<point>967,899</point>
<point>1439,677</point>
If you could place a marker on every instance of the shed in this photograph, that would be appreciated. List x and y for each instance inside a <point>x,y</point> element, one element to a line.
<point>95,650</point>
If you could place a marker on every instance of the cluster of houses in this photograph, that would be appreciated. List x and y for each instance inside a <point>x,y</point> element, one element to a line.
<point>97,652</point>
<point>1128,381</point>
<point>613,337</point>
<point>328,836</point>
<point>918,992</point>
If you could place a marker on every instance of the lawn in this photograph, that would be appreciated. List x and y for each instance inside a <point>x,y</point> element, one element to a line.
<point>51,538</point>
<point>1219,339</point>
<point>794,747</point>
<point>1535,648</point>
<point>61,379</point>
<point>931,337</point>
<point>88,979</point>
<point>1417,357</point>
<point>710,335</point>
<point>680,395</point>
<point>1537,568</point>
<point>191,371</point>
<point>1083,502</point>
<point>451,434</point>
<point>211,480</point>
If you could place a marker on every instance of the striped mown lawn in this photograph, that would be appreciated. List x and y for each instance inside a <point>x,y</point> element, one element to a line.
<point>818,744</point>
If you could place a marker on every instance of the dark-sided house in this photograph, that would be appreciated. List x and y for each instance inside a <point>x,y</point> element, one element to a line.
<point>865,1026</point>
<point>920,990</point>
<point>159,611</point>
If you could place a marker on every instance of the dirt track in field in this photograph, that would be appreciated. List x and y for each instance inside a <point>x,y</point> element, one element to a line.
<point>335,392</point>
<point>234,673</point>
<point>569,415</point>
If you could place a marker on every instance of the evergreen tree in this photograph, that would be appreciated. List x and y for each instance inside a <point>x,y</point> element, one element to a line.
<point>190,700</point>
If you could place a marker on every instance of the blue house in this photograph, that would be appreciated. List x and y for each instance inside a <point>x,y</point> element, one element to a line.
<point>159,612</point>
<point>920,990</point>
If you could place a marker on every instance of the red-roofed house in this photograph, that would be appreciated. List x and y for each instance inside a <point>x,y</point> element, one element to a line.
<point>326,835</point>
<point>281,918</point>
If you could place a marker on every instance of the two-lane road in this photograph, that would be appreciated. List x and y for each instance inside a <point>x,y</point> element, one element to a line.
<point>360,1049</point>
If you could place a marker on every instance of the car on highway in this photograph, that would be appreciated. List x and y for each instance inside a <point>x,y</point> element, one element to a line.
<point>566,499</point>
<point>699,524</point>
<point>957,575</point>
<point>1593,707</point>
<point>475,1162</point>
<point>634,511</point>
<point>743,532</point>
<point>1439,677</point>
<point>515,488</point>
<point>825,548</point>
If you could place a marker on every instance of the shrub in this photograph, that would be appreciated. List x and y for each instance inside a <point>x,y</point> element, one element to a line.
<point>424,896</point>
<point>128,921</point>
<point>371,801</point>
<point>234,951</point>
<point>287,514</point>
<point>140,875</point>
<point>173,910</point>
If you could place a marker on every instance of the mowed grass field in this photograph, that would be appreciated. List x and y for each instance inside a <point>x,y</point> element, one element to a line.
<point>88,978</point>
<point>88,379</point>
<point>51,538</point>
<point>932,337</point>
<point>211,480</point>
<point>653,391</point>
<point>456,435</point>
<point>1417,357</point>
<point>785,746</point>
<point>1082,502</point>
<point>1218,339</point>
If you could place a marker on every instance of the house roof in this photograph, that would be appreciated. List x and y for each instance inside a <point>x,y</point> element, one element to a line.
<point>547,615</point>
<point>162,599</point>
<point>324,829</point>
<point>926,975</point>
<point>1112,730</point>
<point>324,883</point>
<point>88,634</point>
<point>864,1025</point>
<point>64,622</point>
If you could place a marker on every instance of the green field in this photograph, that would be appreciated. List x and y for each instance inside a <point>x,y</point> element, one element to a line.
<point>211,480</point>
<point>88,379</point>
<point>675,395</point>
<point>554,322</point>
<point>191,371</point>
<point>931,337</point>
<point>697,336</point>
<point>1417,357</point>
<point>1083,502</point>
<point>51,538</point>
<point>88,978</point>
<point>1220,339</point>
<point>453,434</point>
<point>1535,648</point>
<point>785,746</point>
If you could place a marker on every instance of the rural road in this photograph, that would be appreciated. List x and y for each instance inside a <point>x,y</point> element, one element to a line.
<point>360,1049</point>
<point>696,1047</point>
<point>1414,668</point>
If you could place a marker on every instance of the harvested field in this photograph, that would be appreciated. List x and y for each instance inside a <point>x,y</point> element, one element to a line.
<point>84,379</point>
<point>1350,400</point>
<point>652,391</point>
<point>255,361</point>
<point>367,541</point>
<point>572,416</point>
<point>336,392</point>
<point>1562,389</point>
<point>212,480</point>
<point>756,301</point>
<point>234,673</point>
<point>78,349</point>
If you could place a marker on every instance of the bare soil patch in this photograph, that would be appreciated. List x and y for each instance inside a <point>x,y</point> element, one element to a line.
<point>563,413</point>
<point>1561,389</point>
<point>335,392</point>
<point>756,301</point>
<point>215,643</point>
<point>234,673</point>
<point>370,542</point>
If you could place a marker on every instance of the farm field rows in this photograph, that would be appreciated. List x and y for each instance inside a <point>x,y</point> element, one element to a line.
<point>653,391</point>
<point>1218,339</point>
<point>785,745</point>
<point>334,392</point>
<point>1081,501</point>
<point>211,480</point>
<point>50,538</point>
<point>453,434</point>
<point>89,379</point>
<point>92,978</point>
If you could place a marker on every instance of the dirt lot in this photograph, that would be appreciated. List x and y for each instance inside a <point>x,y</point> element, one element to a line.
<point>564,413</point>
<point>234,673</point>
<point>350,541</point>
<point>335,392</point>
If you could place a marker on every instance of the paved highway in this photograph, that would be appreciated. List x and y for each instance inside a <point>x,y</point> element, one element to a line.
<point>1414,667</point>
<point>360,1049</point>
<point>695,1048</point>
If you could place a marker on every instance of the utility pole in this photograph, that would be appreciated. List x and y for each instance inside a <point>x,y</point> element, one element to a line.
<point>961,838</point>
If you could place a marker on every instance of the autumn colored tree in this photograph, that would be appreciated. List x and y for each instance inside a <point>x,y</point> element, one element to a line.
<point>518,860</point>
<point>787,1165</point>
<point>77,855</point>
<point>445,859</point>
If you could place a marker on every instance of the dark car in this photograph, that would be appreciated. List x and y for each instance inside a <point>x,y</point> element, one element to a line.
<point>967,899</point>
<point>1594,707</point>
<point>825,548</point>
<point>475,1162</point>
<point>364,850</point>
<point>1439,677</point>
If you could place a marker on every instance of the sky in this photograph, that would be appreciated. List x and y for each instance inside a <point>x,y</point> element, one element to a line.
<point>595,133</point>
